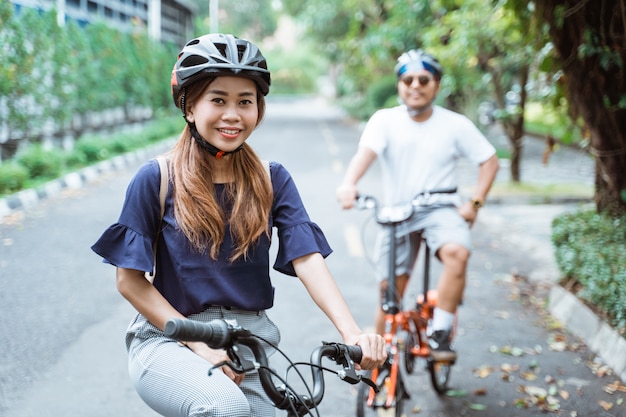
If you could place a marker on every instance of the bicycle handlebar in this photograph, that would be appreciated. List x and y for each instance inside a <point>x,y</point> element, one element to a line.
<point>395,214</point>
<point>218,334</point>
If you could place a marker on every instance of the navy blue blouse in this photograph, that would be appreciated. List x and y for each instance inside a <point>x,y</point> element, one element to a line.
<point>192,281</point>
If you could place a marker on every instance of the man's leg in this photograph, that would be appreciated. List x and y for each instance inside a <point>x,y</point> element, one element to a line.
<point>454,258</point>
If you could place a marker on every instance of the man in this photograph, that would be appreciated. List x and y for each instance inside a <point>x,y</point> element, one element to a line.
<point>418,144</point>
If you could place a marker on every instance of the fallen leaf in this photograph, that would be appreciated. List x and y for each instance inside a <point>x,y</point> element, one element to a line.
<point>507,367</point>
<point>483,371</point>
<point>511,350</point>
<point>477,407</point>
<point>521,403</point>
<point>535,391</point>
<point>456,393</point>
<point>613,387</point>
<point>606,405</point>
<point>480,391</point>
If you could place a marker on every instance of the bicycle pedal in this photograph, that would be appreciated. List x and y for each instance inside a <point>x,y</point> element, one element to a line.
<point>420,351</point>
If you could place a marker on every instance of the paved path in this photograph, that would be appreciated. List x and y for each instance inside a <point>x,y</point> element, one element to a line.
<point>530,224</point>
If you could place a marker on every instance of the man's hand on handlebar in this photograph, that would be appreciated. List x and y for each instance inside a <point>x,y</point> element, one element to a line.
<point>346,195</point>
<point>468,212</point>
<point>373,348</point>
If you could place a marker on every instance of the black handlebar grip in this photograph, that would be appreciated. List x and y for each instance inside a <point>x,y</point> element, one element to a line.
<point>215,333</point>
<point>355,353</point>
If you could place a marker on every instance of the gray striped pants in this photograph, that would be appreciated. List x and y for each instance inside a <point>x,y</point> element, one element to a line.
<point>174,381</point>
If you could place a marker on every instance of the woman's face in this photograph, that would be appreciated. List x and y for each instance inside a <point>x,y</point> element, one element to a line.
<point>227,112</point>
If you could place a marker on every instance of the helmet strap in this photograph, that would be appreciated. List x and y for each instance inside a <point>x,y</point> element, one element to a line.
<point>216,152</point>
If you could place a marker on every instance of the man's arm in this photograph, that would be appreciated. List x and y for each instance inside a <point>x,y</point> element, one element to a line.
<point>347,191</point>
<point>486,175</point>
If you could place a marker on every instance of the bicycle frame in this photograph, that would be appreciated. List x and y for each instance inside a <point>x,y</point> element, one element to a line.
<point>405,329</point>
<point>412,321</point>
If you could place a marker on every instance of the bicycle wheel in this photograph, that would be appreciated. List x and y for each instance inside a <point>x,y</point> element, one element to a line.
<point>378,409</point>
<point>439,375</point>
<point>409,341</point>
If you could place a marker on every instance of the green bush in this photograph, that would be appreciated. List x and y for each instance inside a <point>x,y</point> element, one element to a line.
<point>92,148</point>
<point>382,90</point>
<point>590,248</point>
<point>41,164</point>
<point>35,165</point>
<point>13,176</point>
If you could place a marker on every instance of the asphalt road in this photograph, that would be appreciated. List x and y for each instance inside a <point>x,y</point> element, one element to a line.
<point>62,320</point>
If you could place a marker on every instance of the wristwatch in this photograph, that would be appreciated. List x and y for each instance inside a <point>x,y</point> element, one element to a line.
<point>477,203</point>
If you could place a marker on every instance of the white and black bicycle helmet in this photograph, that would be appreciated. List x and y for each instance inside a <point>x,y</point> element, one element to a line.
<point>418,59</point>
<point>218,54</point>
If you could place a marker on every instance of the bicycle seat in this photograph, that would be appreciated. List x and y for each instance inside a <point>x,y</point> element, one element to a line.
<point>395,214</point>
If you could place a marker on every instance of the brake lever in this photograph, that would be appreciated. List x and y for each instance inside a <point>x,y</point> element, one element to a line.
<point>236,363</point>
<point>349,373</point>
<point>371,383</point>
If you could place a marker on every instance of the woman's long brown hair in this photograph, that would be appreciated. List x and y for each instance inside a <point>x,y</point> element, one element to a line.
<point>198,213</point>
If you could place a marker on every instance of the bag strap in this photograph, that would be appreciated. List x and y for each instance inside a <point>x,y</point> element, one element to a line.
<point>163,188</point>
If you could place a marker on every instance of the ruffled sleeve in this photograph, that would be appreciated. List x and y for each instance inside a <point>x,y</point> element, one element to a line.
<point>297,234</point>
<point>128,243</point>
<point>121,246</point>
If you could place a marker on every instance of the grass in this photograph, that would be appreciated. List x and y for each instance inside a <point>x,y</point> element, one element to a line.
<point>542,190</point>
<point>536,193</point>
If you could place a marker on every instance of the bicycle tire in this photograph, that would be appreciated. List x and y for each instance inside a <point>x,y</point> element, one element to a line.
<point>439,375</point>
<point>409,340</point>
<point>378,409</point>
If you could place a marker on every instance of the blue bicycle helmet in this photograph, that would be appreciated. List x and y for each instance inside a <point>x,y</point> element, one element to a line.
<point>417,59</point>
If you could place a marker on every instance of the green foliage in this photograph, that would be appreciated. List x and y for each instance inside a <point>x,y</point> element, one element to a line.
<point>41,164</point>
<point>248,19</point>
<point>92,149</point>
<point>13,176</point>
<point>51,75</point>
<point>294,71</point>
<point>591,250</point>
<point>380,91</point>
<point>35,164</point>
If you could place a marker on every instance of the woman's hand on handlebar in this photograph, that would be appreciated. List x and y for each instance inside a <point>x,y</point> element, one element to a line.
<point>346,195</point>
<point>373,348</point>
<point>215,356</point>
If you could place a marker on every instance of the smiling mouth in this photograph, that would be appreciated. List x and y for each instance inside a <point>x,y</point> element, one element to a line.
<point>229,131</point>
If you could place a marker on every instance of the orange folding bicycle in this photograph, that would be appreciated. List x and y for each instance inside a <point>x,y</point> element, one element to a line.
<point>405,330</point>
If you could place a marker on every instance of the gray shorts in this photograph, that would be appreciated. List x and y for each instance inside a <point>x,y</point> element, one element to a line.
<point>437,224</point>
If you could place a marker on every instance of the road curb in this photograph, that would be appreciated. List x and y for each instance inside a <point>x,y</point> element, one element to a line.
<point>584,323</point>
<point>28,199</point>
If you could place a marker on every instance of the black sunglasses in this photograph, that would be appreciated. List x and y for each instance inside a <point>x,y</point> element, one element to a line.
<point>423,80</point>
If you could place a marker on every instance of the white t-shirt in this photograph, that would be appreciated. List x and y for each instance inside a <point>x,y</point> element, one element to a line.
<point>418,157</point>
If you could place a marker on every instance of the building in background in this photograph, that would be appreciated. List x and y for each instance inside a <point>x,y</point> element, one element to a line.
<point>165,20</point>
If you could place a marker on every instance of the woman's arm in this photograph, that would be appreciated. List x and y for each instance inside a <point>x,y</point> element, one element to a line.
<point>314,274</point>
<point>148,301</point>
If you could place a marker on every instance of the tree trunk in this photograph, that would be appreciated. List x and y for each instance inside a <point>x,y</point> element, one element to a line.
<point>513,126</point>
<point>590,38</point>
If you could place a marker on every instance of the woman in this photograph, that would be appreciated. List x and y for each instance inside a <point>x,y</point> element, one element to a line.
<point>212,251</point>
